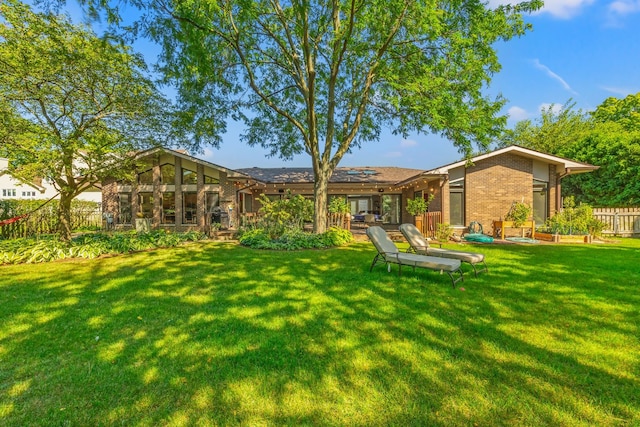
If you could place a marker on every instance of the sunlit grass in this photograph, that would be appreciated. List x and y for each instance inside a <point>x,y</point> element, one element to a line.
<point>218,334</point>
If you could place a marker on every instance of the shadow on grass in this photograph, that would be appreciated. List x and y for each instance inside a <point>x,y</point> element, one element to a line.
<point>220,334</point>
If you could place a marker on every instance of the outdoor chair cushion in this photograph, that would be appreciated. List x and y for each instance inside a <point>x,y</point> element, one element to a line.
<point>389,253</point>
<point>420,245</point>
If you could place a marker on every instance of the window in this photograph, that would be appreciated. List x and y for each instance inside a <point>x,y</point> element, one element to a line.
<point>540,201</point>
<point>189,207</point>
<point>211,180</point>
<point>145,177</point>
<point>145,204</point>
<point>169,207</point>
<point>168,174</point>
<point>456,202</point>
<point>189,176</point>
<point>391,204</point>
<point>124,208</point>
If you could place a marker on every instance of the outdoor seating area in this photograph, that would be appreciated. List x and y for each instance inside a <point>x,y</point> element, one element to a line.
<point>420,245</point>
<point>388,253</point>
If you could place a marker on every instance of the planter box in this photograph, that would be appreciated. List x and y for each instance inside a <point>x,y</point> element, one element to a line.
<point>563,238</point>
<point>502,225</point>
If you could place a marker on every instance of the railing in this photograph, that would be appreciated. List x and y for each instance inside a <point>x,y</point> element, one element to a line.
<point>428,223</point>
<point>619,221</point>
<point>46,222</point>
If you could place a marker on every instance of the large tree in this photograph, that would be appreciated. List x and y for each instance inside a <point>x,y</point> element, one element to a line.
<point>614,145</point>
<point>73,106</point>
<point>558,128</point>
<point>321,77</point>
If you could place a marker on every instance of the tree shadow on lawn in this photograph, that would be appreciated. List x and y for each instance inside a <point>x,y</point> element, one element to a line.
<point>217,333</point>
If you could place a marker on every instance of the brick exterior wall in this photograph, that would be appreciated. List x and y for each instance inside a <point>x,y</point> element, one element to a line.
<point>493,184</point>
<point>110,201</point>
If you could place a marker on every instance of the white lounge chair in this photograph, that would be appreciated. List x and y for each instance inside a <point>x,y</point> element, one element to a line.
<point>389,253</point>
<point>420,245</point>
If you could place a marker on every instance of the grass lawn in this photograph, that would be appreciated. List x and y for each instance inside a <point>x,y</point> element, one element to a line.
<point>217,334</point>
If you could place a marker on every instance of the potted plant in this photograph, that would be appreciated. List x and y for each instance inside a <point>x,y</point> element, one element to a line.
<point>418,207</point>
<point>518,214</point>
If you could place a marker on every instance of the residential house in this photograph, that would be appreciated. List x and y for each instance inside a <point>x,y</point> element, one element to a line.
<point>12,187</point>
<point>181,192</point>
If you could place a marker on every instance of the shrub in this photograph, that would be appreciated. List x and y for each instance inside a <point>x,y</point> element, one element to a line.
<point>284,214</point>
<point>443,232</point>
<point>295,239</point>
<point>574,220</point>
<point>88,245</point>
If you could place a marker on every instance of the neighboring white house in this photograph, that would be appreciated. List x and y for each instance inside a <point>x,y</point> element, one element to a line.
<point>14,188</point>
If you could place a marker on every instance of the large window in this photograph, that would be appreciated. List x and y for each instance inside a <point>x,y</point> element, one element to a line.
<point>145,177</point>
<point>189,207</point>
<point>124,208</point>
<point>169,207</point>
<point>211,180</point>
<point>145,203</point>
<point>168,174</point>
<point>540,201</point>
<point>456,202</point>
<point>189,176</point>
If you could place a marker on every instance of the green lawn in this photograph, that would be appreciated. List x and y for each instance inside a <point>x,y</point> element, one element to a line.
<point>217,334</point>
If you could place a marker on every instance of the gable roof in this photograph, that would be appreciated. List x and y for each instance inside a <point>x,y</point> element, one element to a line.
<point>341,175</point>
<point>570,167</point>
<point>231,173</point>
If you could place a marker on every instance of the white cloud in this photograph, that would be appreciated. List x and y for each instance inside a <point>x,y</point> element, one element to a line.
<point>516,113</point>
<point>562,9</point>
<point>405,143</point>
<point>619,9</point>
<point>553,75</point>
<point>618,90</point>
<point>624,7</point>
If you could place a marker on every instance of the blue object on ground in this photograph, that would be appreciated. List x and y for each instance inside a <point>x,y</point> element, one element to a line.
<point>478,237</point>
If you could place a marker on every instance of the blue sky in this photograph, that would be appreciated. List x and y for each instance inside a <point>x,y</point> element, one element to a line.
<point>585,50</point>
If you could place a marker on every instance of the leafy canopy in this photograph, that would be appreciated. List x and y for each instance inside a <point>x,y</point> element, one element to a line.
<point>322,77</point>
<point>73,105</point>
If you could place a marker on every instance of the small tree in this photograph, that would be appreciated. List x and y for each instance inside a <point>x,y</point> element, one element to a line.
<point>73,106</point>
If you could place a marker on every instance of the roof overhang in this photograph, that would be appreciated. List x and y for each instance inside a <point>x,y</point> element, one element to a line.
<point>567,167</point>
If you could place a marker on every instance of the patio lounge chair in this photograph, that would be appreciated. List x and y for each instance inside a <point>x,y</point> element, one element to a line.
<point>389,253</point>
<point>420,245</point>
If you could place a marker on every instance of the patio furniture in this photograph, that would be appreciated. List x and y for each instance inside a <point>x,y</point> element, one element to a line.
<point>389,253</point>
<point>420,245</point>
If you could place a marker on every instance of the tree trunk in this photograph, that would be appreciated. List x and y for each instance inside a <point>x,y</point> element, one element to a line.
<point>320,188</point>
<point>64,217</point>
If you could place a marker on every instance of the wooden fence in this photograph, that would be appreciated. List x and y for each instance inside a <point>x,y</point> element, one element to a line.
<point>619,221</point>
<point>45,222</point>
